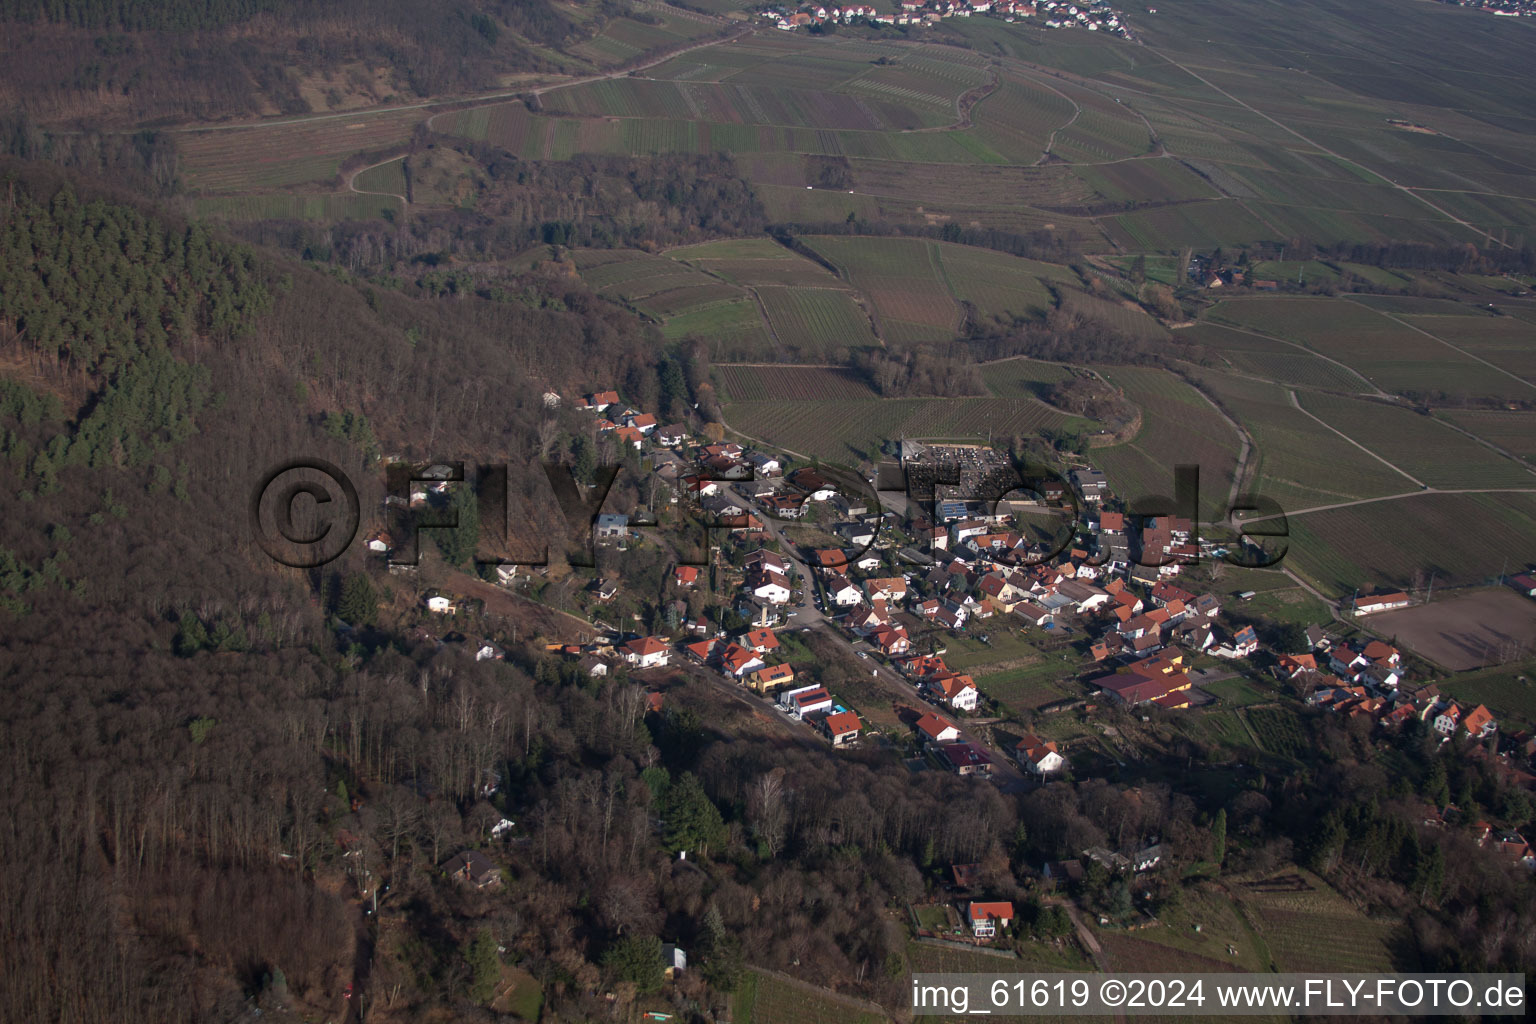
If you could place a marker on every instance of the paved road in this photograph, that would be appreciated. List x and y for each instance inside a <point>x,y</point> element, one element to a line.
<point>1007,777</point>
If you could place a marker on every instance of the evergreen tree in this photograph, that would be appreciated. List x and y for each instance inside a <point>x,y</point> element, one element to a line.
<point>722,958</point>
<point>693,822</point>
<point>359,603</point>
<point>637,959</point>
<point>1429,875</point>
<point>459,543</point>
<point>191,637</point>
<point>484,966</point>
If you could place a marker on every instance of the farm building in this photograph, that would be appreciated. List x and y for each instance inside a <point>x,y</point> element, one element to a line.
<point>1380,603</point>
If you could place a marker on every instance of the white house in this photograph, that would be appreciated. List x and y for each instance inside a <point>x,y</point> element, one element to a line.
<point>765,464</point>
<point>845,594</point>
<point>1380,603</point>
<point>804,700</point>
<point>1038,756</point>
<point>440,604</point>
<point>956,690</point>
<point>987,919</point>
<point>646,652</point>
<point>772,588</point>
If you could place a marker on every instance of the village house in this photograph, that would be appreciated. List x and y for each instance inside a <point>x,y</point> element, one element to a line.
<point>771,588</point>
<point>599,401</point>
<point>611,527</point>
<point>671,436</point>
<point>844,594</point>
<point>870,618</point>
<point>841,727</point>
<point>987,919</point>
<point>805,700</point>
<point>765,464</point>
<point>936,729</point>
<point>763,560</point>
<point>1092,484</point>
<point>1159,680</point>
<point>785,506</point>
<point>739,662</point>
<point>1037,756</point>
<point>892,588</point>
<point>1525,583</point>
<point>646,652</point>
<point>685,575</point>
<point>965,758</point>
<point>815,486</point>
<point>891,641</point>
<point>956,690</point>
<point>772,677</point>
<point>473,868</point>
<point>761,641</point>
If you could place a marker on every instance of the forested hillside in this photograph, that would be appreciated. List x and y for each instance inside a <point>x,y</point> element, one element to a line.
<point>107,62</point>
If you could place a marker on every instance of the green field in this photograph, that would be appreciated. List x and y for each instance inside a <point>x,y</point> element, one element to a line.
<point>1024,378</point>
<point>1313,928</point>
<point>1390,353</point>
<point>1421,446</point>
<point>736,324</point>
<point>1508,690</point>
<point>387,178</point>
<point>1028,687</point>
<point>815,319</point>
<point>760,383</point>
<point>999,285</point>
<point>1462,538</point>
<point>764,999</point>
<point>1178,427</point>
<point>1284,464</point>
<point>902,279</point>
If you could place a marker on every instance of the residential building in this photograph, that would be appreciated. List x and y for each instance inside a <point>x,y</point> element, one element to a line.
<point>646,652</point>
<point>987,919</point>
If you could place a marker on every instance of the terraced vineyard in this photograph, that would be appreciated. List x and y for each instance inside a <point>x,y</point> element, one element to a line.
<point>1278,730</point>
<point>1178,427</point>
<point>1273,359</point>
<point>815,318</point>
<point>279,156</point>
<point>1507,342</point>
<point>901,278</point>
<point>1392,355</point>
<point>764,999</point>
<point>768,383</point>
<point>1419,445</point>
<point>1284,464</point>
<point>1461,538</point>
<point>1514,431</point>
<point>1309,927</point>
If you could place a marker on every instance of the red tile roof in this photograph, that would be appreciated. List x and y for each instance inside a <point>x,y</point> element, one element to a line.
<point>842,723</point>
<point>1001,911</point>
<point>931,725</point>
